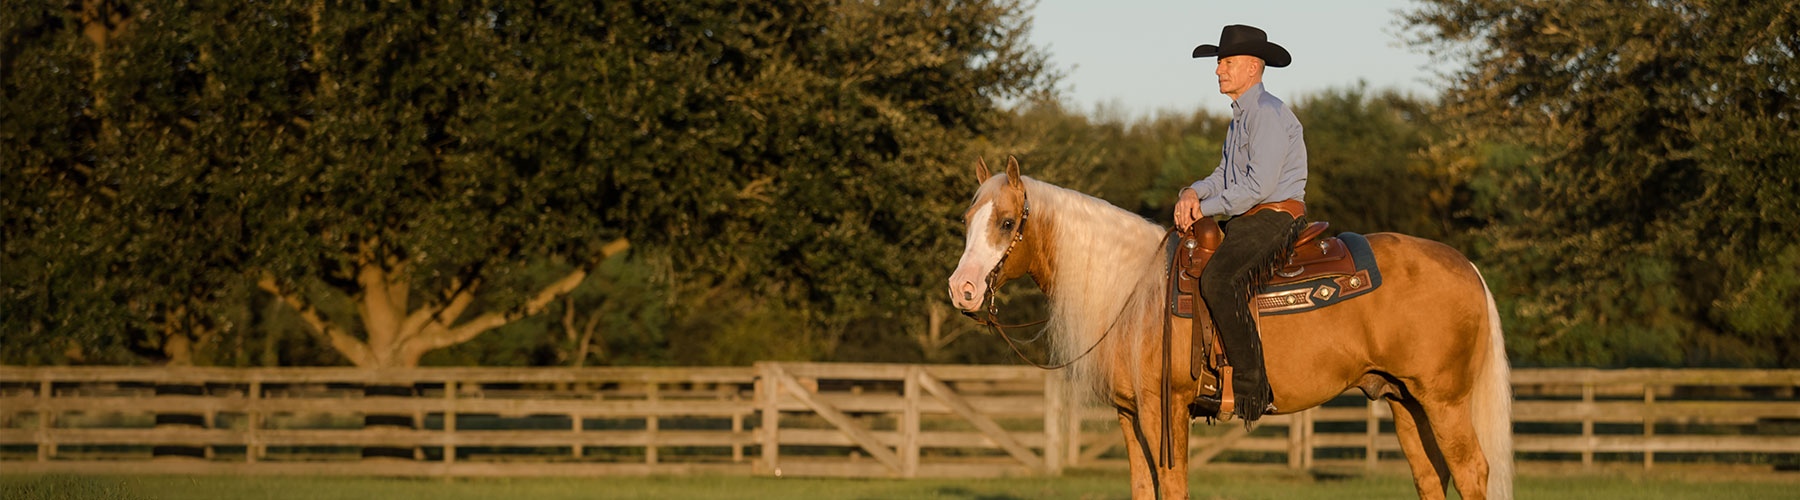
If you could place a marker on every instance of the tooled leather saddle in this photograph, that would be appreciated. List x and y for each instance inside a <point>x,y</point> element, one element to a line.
<point>1319,272</point>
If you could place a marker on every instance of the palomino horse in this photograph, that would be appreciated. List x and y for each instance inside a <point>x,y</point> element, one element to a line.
<point>1428,340</point>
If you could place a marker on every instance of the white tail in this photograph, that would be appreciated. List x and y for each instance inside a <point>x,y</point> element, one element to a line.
<point>1492,406</point>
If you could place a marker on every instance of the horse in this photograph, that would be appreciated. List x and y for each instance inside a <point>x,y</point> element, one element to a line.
<point>1428,341</point>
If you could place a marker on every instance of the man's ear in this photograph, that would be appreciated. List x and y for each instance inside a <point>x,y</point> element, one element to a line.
<point>981,171</point>
<point>1012,172</point>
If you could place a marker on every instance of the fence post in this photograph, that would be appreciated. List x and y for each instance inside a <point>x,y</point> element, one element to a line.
<point>768,393</point>
<point>730,393</point>
<point>1073,435</point>
<point>1307,438</point>
<point>1056,411</point>
<point>44,445</point>
<point>1587,424</point>
<point>1649,424</point>
<point>1374,430</point>
<point>651,423</point>
<point>254,414</point>
<point>450,421</point>
<point>909,424</point>
<point>1296,435</point>
<point>575,426</point>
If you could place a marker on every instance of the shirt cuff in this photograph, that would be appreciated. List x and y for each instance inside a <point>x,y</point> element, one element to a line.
<point>1196,187</point>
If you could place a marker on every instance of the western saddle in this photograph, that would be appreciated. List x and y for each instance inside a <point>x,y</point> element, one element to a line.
<point>1310,257</point>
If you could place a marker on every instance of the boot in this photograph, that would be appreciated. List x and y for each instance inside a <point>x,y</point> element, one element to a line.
<point>1252,392</point>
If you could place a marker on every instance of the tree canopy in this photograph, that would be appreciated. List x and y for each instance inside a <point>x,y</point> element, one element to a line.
<point>410,162</point>
<point>1651,222</point>
<point>550,182</point>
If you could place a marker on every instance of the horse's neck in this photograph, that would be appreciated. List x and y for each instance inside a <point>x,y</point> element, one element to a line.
<point>1101,256</point>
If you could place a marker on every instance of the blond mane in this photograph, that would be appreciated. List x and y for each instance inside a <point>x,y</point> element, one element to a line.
<point>1110,273</point>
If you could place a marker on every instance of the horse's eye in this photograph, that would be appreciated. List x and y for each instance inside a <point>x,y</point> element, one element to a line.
<point>1006,225</point>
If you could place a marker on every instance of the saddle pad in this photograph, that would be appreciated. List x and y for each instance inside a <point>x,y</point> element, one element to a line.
<point>1323,291</point>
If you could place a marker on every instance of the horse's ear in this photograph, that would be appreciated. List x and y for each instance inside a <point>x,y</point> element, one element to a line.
<point>1012,171</point>
<point>981,171</point>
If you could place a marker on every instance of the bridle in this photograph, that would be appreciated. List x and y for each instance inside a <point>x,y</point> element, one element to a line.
<point>992,321</point>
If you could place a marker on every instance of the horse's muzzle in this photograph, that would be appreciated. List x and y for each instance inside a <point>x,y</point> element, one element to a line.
<point>965,295</point>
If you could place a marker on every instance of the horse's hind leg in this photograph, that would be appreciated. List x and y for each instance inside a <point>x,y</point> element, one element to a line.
<point>1451,424</point>
<point>1430,474</point>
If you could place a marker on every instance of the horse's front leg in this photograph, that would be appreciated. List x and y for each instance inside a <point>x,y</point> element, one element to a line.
<point>1143,483</point>
<point>1175,473</point>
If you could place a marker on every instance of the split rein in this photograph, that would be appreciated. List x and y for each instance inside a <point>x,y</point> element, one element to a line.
<point>992,321</point>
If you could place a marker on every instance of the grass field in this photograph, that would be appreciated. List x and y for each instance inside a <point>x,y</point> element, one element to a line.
<point>1076,485</point>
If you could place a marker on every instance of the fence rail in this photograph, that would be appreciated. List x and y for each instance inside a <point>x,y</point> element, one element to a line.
<point>808,419</point>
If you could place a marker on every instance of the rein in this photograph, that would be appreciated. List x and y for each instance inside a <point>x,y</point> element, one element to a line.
<point>992,321</point>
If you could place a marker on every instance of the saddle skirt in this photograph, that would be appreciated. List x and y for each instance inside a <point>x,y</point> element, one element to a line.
<point>1344,267</point>
<point>1318,273</point>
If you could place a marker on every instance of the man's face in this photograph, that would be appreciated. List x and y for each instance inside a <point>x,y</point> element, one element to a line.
<point>1237,74</point>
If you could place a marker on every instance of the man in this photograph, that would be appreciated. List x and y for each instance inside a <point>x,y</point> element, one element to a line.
<point>1261,183</point>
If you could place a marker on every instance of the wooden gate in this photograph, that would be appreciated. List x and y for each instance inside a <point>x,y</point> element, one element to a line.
<point>881,420</point>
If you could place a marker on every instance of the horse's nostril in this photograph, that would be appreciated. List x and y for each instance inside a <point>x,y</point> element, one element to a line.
<point>967,295</point>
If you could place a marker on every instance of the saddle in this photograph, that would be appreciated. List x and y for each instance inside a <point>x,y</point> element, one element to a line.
<point>1310,258</point>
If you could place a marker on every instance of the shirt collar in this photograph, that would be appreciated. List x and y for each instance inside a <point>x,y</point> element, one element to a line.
<point>1250,94</point>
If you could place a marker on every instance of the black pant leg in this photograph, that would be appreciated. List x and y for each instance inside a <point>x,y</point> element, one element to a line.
<point>1253,246</point>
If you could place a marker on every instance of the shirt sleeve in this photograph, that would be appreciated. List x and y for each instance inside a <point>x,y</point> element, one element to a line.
<point>1209,186</point>
<point>1266,152</point>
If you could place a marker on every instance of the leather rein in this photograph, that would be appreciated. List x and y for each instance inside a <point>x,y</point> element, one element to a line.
<point>992,321</point>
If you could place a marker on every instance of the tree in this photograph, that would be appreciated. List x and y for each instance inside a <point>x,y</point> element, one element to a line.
<point>846,133</point>
<point>393,173</point>
<point>1367,171</point>
<point>106,252</point>
<point>1652,221</point>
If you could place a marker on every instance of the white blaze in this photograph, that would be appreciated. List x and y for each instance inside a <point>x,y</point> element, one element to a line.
<point>968,284</point>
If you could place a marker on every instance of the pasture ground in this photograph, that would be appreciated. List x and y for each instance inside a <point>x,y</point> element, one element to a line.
<point>1080,484</point>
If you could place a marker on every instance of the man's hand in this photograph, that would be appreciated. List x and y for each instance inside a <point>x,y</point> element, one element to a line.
<point>1187,209</point>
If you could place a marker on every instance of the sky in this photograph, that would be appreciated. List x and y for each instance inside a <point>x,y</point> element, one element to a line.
<point>1138,53</point>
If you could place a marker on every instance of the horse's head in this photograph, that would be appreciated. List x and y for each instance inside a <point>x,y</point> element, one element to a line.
<point>996,224</point>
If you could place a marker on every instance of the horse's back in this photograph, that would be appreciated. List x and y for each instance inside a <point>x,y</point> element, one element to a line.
<point>1407,250</point>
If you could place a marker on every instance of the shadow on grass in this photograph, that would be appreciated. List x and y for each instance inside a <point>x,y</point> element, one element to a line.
<point>60,487</point>
<point>960,492</point>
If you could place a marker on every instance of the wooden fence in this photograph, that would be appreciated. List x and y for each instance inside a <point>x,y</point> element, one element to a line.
<point>466,421</point>
<point>803,419</point>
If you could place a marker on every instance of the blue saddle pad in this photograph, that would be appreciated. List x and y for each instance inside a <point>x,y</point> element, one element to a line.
<point>1325,290</point>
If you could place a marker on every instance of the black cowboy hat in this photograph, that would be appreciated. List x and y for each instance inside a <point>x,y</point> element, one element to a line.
<point>1239,40</point>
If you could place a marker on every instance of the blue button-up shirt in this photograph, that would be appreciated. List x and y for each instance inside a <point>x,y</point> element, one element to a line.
<point>1264,157</point>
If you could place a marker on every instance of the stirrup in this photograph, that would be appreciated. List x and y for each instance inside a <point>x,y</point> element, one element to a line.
<point>1223,406</point>
<point>1215,406</point>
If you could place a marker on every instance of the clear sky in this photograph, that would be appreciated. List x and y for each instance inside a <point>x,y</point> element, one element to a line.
<point>1138,53</point>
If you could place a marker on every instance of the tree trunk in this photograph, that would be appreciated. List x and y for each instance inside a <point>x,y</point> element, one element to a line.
<point>179,347</point>
<point>399,335</point>
<point>581,338</point>
<point>179,339</point>
<point>933,339</point>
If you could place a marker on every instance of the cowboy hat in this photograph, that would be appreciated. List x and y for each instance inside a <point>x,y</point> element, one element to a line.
<point>1238,40</point>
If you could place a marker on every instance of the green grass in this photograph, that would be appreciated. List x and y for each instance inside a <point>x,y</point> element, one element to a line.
<point>1076,485</point>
